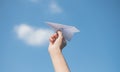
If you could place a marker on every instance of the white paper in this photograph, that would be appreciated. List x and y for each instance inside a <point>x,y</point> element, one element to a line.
<point>67,31</point>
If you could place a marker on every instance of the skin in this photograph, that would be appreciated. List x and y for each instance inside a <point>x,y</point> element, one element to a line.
<point>57,43</point>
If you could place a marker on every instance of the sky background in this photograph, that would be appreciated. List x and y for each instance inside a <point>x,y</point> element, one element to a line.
<point>96,48</point>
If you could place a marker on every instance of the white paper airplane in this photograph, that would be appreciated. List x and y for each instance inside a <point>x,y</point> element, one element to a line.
<point>67,31</point>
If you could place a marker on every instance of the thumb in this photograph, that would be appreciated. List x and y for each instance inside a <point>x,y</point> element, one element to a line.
<point>60,37</point>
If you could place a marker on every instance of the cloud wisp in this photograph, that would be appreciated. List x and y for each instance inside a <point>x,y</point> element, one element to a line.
<point>34,1</point>
<point>31,35</point>
<point>54,7</point>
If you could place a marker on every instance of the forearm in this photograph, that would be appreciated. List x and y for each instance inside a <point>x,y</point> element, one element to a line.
<point>58,61</point>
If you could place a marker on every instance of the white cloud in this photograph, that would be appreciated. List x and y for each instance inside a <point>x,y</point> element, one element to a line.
<point>55,8</point>
<point>31,35</point>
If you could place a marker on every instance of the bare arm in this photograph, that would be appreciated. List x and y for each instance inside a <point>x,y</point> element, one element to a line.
<point>57,43</point>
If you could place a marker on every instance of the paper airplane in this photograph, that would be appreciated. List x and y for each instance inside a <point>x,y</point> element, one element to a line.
<point>67,31</point>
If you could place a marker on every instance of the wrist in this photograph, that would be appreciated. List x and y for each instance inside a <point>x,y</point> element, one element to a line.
<point>54,51</point>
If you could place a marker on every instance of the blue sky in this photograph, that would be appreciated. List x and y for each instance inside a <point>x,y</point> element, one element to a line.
<point>95,49</point>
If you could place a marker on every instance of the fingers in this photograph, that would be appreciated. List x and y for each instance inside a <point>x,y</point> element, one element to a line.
<point>57,39</point>
<point>53,38</point>
<point>56,36</point>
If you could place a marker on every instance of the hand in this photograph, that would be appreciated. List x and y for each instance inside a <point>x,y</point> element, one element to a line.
<point>57,42</point>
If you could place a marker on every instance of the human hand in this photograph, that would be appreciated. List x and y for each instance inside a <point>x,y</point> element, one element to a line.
<point>57,42</point>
